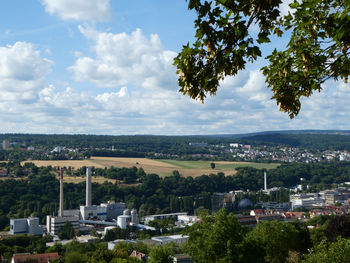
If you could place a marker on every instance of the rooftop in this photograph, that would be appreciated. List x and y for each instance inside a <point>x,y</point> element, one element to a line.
<point>39,258</point>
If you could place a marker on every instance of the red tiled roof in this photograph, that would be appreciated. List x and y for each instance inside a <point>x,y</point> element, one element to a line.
<point>40,258</point>
<point>258,211</point>
<point>137,255</point>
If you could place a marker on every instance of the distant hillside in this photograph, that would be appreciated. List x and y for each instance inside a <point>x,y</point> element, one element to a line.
<point>320,141</point>
<point>314,139</point>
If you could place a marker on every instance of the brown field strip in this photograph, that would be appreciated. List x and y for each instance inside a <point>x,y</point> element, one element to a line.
<point>161,168</point>
<point>75,180</point>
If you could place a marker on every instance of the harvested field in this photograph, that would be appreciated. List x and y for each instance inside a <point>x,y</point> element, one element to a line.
<point>75,180</point>
<point>160,167</point>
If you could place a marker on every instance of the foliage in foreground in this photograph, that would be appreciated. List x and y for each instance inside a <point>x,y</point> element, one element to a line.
<point>218,238</point>
<point>318,47</point>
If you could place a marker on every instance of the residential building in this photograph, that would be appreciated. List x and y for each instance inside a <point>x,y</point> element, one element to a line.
<point>3,173</point>
<point>141,256</point>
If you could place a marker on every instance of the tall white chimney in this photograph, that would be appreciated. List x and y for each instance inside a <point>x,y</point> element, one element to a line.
<point>60,212</point>
<point>88,186</point>
<point>265,181</point>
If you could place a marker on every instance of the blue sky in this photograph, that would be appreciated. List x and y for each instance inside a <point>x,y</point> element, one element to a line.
<point>105,67</point>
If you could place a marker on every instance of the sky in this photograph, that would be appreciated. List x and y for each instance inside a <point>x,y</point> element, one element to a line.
<point>105,67</point>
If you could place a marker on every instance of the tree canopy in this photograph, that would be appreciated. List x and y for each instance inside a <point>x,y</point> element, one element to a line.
<point>318,47</point>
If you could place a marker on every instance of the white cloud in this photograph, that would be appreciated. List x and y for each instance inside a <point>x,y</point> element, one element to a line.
<point>123,59</point>
<point>80,10</point>
<point>145,104</point>
<point>22,72</point>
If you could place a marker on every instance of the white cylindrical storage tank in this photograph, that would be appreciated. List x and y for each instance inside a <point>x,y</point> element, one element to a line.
<point>122,220</point>
<point>134,216</point>
<point>126,212</point>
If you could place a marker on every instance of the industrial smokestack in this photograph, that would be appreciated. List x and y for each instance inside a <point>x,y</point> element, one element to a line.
<point>88,186</point>
<point>265,181</point>
<point>60,212</point>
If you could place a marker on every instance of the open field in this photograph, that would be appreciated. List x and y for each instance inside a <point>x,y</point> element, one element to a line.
<point>75,179</point>
<point>219,165</point>
<point>160,167</point>
<point>70,179</point>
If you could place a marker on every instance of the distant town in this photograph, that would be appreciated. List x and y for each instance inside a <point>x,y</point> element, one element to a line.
<point>198,150</point>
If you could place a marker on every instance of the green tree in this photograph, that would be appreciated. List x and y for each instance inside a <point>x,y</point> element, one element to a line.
<point>110,235</point>
<point>216,239</point>
<point>278,238</point>
<point>163,253</point>
<point>318,47</point>
<point>75,257</point>
<point>335,252</point>
<point>67,231</point>
<point>4,221</point>
<point>338,226</point>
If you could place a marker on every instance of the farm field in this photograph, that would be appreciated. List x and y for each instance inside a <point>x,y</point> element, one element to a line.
<point>94,179</point>
<point>71,179</point>
<point>160,167</point>
<point>219,165</point>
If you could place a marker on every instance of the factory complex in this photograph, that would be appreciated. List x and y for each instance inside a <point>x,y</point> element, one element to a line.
<point>106,214</point>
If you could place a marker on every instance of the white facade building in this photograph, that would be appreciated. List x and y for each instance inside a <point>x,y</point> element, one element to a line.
<point>54,223</point>
<point>306,200</point>
<point>178,239</point>
<point>161,216</point>
<point>25,226</point>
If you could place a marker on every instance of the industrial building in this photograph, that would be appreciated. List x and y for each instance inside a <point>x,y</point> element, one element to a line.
<point>105,211</point>
<point>307,200</point>
<point>177,239</point>
<point>54,223</point>
<point>149,218</point>
<point>109,214</point>
<point>25,226</point>
<point>327,197</point>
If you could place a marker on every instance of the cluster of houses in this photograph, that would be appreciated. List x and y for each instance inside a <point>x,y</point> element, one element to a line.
<point>285,154</point>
